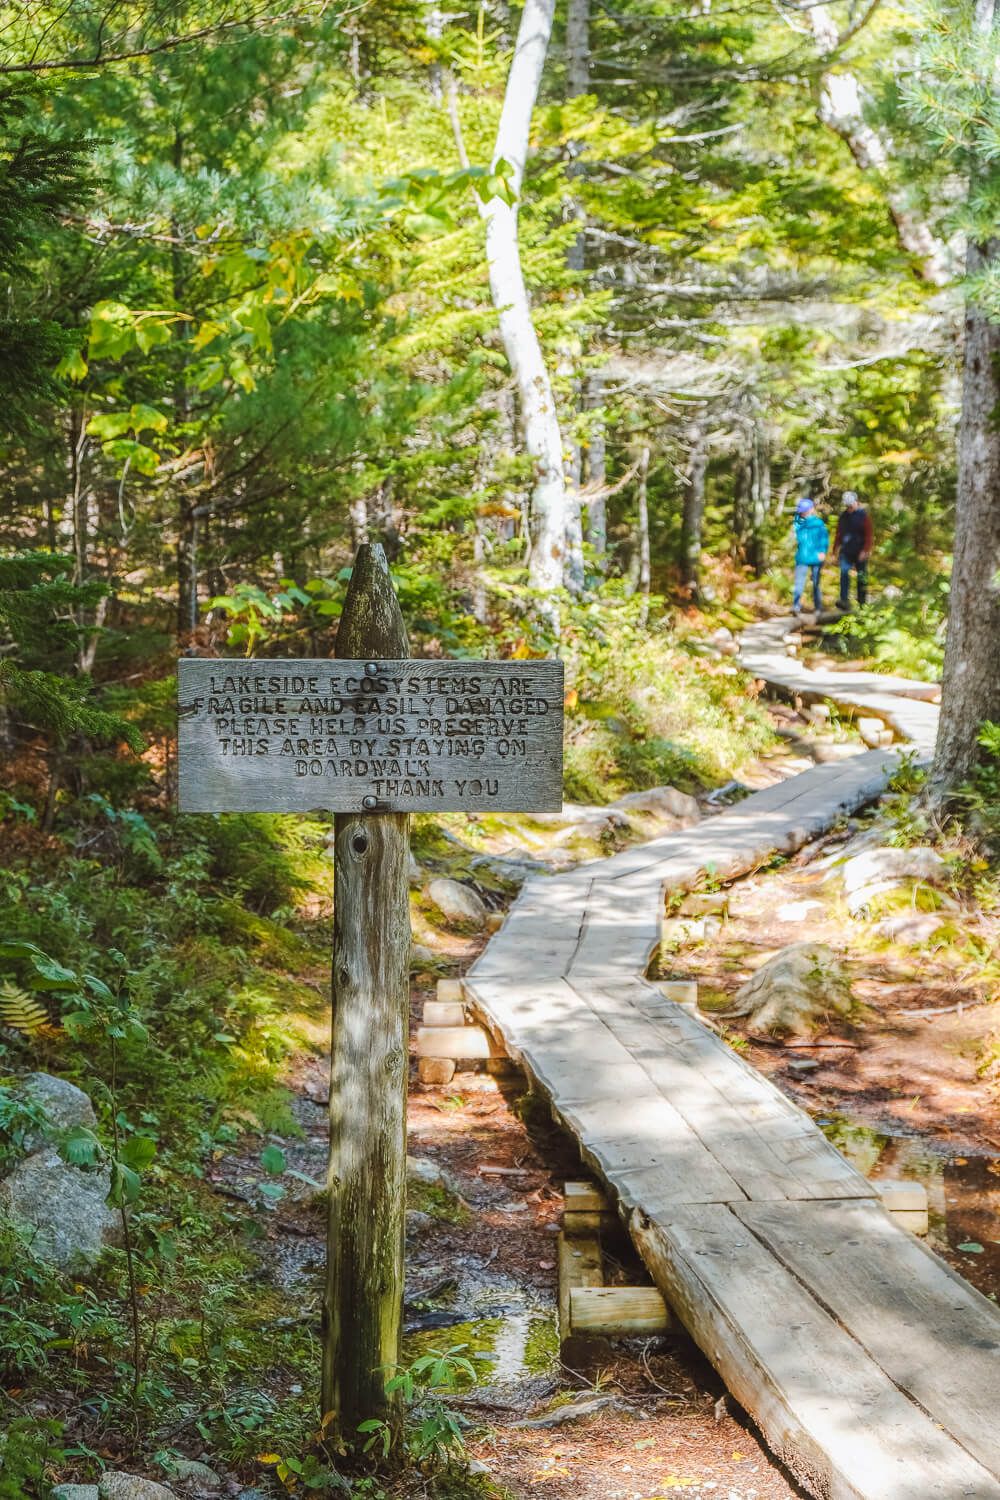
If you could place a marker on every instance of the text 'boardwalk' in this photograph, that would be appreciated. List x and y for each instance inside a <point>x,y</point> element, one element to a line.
<point>356,736</point>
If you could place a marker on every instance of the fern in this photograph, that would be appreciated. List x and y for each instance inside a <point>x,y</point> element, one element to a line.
<point>22,1012</point>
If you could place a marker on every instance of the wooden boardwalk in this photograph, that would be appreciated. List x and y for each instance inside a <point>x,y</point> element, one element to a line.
<point>871,1367</point>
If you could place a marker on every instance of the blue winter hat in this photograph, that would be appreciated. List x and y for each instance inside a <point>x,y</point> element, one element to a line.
<point>803,506</point>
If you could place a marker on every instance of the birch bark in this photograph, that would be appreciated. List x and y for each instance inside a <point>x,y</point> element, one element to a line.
<point>841,110</point>
<point>540,423</point>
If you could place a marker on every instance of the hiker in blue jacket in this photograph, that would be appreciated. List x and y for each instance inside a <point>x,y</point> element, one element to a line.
<point>812,542</point>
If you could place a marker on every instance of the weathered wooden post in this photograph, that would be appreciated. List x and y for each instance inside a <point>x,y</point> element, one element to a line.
<point>366,1181</point>
<point>371,736</point>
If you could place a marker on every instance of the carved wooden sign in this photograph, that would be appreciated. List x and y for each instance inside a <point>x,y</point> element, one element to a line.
<point>370,736</point>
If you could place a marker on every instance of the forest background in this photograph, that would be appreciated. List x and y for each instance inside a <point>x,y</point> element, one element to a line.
<point>253,263</point>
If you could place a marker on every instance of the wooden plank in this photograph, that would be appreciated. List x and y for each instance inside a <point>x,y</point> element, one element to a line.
<point>585,1197</point>
<point>467,1043</point>
<point>450,990</point>
<point>744,1122</point>
<point>927,1328</point>
<point>444,1013</point>
<point>580,1265</point>
<point>826,1409</point>
<point>617,1311</point>
<point>374,732</point>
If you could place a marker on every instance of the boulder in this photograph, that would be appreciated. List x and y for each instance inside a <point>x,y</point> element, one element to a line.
<point>116,1485</point>
<point>63,1104</point>
<point>663,802</point>
<point>61,1211</point>
<point>795,992</point>
<point>456,902</point>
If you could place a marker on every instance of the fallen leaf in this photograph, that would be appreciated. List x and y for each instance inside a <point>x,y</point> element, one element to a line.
<point>971,1248</point>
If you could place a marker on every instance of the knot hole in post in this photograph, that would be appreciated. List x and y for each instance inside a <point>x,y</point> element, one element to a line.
<point>359,841</point>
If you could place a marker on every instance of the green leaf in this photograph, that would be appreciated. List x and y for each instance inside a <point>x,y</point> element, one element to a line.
<point>142,417</point>
<point>72,366</point>
<point>137,1152</point>
<point>272,1159</point>
<point>971,1248</point>
<point>125,1185</point>
<point>80,1147</point>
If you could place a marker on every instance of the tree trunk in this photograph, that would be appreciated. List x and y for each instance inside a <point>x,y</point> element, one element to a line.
<point>840,109</point>
<point>597,506</point>
<point>573,469</point>
<point>643,528</point>
<point>577,83</point>
<point>970,687</point>
<point>760,500</point>
<point>363,1298</point>
<point>540,422</point>
<point>694,511</point>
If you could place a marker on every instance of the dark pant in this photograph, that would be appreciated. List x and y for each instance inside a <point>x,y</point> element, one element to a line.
<point>861,568</point>
<point>804,572</point>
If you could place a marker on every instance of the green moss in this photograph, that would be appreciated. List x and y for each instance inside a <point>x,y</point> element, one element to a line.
<point>434,1199</point>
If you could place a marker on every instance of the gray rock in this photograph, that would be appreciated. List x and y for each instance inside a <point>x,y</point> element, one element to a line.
<point>417,1222</point>
<point>798,990</point>
<point>194,1477</point>
<point>420,955</point>
<point>254,1494</point>
<point>75,1492</point>
<point>573,1411</point>
<point>510,871</point>
<point>414,873</point>
<point>456,902</point>
<point>61,1211</point>
<point>421,1169</point>
<point>663,802</point>
<point>893,866</point>
<point>911,928</point>
<point>116,1485</point>
<point>63,1104</point>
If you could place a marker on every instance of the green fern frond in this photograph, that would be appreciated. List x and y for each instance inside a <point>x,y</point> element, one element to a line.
<point>22,1012</point>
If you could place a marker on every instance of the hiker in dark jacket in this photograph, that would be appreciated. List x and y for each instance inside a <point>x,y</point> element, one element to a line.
<point>812,542</point>
<point>853,545</point>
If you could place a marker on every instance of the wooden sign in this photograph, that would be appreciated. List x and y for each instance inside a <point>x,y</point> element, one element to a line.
<point>370,736</point>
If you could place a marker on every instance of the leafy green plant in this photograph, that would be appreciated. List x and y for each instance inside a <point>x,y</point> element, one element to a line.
<point>432,1434</point>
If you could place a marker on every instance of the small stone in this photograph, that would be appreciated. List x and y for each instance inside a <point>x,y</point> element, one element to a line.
<point>414,873</point>
<point>803,1065</point>
<point>197,1478</point>
<point>421,956</point>
<point>417,1222</point>
<point>119,1486</point>
<point>911,928</point>
<point>456,902</point>
<point>704,904</point>
<point>494,921</point>
<point>75,1492</point>
<point>421,1169</point>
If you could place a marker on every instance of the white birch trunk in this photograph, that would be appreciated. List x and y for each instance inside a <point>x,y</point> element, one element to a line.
<point>841,110</point>
<point>539,420</point>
